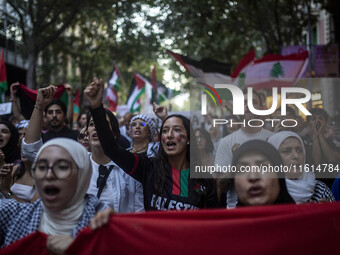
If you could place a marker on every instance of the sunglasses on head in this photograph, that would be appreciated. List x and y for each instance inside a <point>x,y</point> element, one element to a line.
<point>142,123</point>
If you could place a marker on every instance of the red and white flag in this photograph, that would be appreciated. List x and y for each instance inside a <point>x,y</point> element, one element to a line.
<point>272,70</point>
<point>112,90</point>
<point>140,86</point>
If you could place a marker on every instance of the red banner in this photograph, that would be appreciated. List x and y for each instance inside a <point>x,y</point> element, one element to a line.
<point>282,229</point>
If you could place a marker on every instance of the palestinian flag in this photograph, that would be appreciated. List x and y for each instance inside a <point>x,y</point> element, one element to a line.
<point>164,93</point>
<point>112,90</point>
<point>271,70</point>
<point>3,78</point>
<point>139,87</point>
<point>28,97</point>
<point>206,70</point>
<point>180,180</point>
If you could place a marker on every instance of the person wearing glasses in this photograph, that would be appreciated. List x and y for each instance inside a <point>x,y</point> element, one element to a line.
<point>83,139</point>
<point>62,173</point>
<point>142,131</point>
<point>166,179</point>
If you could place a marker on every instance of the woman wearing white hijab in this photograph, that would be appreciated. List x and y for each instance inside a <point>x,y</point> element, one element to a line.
<point>62,173</point>
<point>301,184</point>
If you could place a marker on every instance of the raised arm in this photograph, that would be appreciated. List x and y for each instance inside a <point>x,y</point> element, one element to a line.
<point>160,111</point>
<point>69,114</point>
<point>129,162</point>
<point>44,97</point>
<point>15,107</point>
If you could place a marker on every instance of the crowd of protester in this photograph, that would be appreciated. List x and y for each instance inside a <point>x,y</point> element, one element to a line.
<point>57,179</point>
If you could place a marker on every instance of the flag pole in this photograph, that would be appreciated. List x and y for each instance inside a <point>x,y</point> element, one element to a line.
<point>154,83</point>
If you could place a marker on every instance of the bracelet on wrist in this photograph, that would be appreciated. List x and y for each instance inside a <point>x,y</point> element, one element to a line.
<point>38,107</point>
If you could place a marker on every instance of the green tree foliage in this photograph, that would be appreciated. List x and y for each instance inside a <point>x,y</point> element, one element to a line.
<point>88,36</point>
<point>43,21</point>
<point>96,40</point>
<point>227,30</point>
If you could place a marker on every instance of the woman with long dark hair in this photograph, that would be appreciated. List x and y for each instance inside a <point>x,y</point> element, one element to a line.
<point>15,181</point>
<point>166,179</point>
<point>9,137</point>
<point>205,146</point>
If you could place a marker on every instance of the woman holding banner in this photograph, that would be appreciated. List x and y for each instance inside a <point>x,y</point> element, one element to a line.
<point>62,173</point>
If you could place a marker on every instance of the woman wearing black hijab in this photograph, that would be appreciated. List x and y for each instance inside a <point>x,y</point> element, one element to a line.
<point>254,186</point>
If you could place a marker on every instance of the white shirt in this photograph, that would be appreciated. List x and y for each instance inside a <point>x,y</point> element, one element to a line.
<point>30,150</point>
<point>122,193</point>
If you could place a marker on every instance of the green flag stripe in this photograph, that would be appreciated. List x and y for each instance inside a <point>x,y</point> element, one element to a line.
<point>64,98</point>
<point>3,86</point>
<point>184,182</point>
<point>75,108</point>
<point>136,98</point>
<point>116,86</point>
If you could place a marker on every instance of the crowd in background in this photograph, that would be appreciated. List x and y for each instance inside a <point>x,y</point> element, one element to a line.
<point>56,176</point>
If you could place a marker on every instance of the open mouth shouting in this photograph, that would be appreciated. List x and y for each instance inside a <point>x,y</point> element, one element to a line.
<point>137,132</point>
<point>171,145</point>
<point>255,191</point>
<point>51,192</point>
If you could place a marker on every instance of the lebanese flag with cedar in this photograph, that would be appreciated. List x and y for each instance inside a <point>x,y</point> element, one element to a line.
<point>272,70</point>
<point>112,90</point>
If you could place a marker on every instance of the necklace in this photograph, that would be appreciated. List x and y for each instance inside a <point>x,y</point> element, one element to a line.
<point>140,150</point>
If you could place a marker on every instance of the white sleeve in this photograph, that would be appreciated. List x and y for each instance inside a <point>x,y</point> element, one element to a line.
<point>139,197</point>
<point>224,155</point>
<point>30,150</point>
